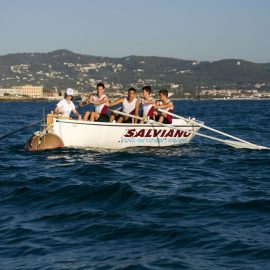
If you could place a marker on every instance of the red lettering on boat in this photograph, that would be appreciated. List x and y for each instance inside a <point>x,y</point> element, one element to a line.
<point>163,133</point>
<point>148,133</point>
<point>156,132</point>
<point>130,132</point>
<point>178,133</point>
<point>170,133</point>
<point>140,133</point>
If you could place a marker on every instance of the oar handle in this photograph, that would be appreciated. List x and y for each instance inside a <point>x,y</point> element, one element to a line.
<point>127,114</point>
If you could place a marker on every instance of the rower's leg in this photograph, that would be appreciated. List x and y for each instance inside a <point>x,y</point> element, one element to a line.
<point>86,116</point>
<point>112,117</point>
<point>120,119</point>
<point>94,116</point>
<point>161,119</point>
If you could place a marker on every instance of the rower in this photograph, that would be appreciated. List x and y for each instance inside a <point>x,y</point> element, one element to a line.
<point>100,102</point>
<point>130,105</point>
<point>148,103</point>
<point>165,104</point>
<point>65,106</point>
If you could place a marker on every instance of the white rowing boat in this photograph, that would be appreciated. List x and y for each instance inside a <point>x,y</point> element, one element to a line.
<point>64,132</point>
<point>85,134</point>
<point>117,136</point>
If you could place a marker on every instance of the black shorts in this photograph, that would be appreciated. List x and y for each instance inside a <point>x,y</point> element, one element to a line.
<point>103,118</point>
<point>117,117</point>
<point>165,121</point>
<point>129,120</point>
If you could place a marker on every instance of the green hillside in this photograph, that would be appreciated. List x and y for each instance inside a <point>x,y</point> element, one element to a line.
<point>63,68</point>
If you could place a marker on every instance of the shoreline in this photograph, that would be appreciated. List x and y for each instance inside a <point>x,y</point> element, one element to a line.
<point>225,99</point>
<point>25,99</point>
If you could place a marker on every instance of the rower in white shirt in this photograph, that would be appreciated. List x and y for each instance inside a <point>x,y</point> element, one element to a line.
<point>66,106</point>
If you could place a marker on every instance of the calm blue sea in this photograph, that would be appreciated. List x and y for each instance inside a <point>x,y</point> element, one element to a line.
<point>201,206</point>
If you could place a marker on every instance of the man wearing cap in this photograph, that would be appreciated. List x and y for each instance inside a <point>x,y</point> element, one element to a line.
<point>66,106</point>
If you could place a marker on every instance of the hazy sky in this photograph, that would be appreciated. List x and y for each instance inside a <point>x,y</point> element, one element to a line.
<point>186,29</point>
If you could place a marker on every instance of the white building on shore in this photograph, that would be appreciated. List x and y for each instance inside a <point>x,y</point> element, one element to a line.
<point>24,90</point>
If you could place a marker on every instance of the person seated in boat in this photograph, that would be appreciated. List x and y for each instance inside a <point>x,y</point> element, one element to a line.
<point>148,103</point>
<point>65,106</point>
<point>165,104</point>
<point>100,102</point>
<point>130,105</point>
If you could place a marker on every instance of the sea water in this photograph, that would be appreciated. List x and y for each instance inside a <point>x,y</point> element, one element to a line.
<point>204,205</point>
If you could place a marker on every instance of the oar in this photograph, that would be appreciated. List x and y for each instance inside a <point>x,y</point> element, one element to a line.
<point>234,144</point>
<point>240,144</point>
<point>19,129</point>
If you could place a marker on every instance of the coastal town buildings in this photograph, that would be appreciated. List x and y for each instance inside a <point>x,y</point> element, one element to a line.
<point>117,90</point>
<point>24,91</point>
<point>234,93</point>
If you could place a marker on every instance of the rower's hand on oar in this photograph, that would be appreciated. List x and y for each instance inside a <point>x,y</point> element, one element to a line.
<point>85,102</point>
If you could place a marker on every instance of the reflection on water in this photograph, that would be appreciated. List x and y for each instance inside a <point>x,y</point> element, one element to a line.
<point>95,155</point>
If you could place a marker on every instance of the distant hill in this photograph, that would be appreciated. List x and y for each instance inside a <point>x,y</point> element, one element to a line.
<point>62,68</point>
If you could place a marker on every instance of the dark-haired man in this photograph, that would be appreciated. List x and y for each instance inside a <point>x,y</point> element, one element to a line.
<point>100,102</point>
<point>165,104</point>
<point>148,103</point>
<point>130,105</point>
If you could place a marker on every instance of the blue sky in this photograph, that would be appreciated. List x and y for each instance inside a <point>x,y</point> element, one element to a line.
<point>186,29</point>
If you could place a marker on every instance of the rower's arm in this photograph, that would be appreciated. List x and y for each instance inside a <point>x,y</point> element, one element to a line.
<point>165,106</point>
<point>118,101</point>
<point>150,101</point>
<point>57,110</point>
<point>87,101</point>
<point>137,108</point>
<point>77,114</point>
<point>102,101</point>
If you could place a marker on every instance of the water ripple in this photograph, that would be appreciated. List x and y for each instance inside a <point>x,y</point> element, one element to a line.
<point>203,206</point>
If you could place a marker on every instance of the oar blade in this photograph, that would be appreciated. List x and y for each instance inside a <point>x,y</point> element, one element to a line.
<point>237,143</point>
<point>243,145</point>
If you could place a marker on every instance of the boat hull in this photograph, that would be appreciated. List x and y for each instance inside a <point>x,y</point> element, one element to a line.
<point>118,136</point>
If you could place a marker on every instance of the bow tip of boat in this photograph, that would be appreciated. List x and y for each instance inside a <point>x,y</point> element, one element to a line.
<point>38,142</point>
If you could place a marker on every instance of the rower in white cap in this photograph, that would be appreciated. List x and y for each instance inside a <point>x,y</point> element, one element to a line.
<point>66,106</point>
